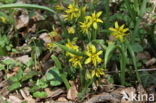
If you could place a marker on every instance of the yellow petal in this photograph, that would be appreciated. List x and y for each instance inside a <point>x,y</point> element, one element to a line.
<point>125,30</point>
<point>99,13</point>
<point>94,62</point>
<point>99,20</point>
<point>88,17</point>
<point>116,25</point>
<point>88,60</point>
<point>88,53</point>
<point>93,73</point>
<point>99,60</point>
<point>121,27</point>
<point>100,52</point>
<point>93,48</point>
<point>112,29</point>
<point>70,6</point>
<point>95,25</point>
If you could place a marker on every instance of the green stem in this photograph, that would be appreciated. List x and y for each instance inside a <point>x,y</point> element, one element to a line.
<point>82,78</point>
<point>122,64</point>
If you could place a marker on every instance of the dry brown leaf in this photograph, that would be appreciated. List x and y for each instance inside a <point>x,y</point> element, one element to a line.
<point>14,99</point>
<point>54,93</point>
<point>22,19</point>
<point>30,100</point>
<point>144,55</point>
<point>62,99</point>
<point>72,92</point>
<point>151,62</point>
<point>23,59</point>
<point>45,37</point>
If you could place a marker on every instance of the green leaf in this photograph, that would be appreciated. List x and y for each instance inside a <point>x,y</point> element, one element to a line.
<point>17,77</point>
<point>29,75</point>
<point>41,83</point>
<point>57,62</point>
<point>55,83</point>
<point>53,75</point>
<point>63,75</point>
<point>111,47</point>
<point>40,94</point>
<point>14,86</point>
<point>36,51</point>
<point>134,61</point>
<point>137,47</point>
<point>2,67</point>
<point>7,6</point>
<point>7,1</point>
<point>9,62</point>
<point>2,51</point>
<point>34,88</point>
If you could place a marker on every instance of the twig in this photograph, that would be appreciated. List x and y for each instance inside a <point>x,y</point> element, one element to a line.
<point>104,97</point>
<point>140,70</point>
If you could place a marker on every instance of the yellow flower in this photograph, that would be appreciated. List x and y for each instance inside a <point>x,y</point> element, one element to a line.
<point>76,61</point>
<point>93,55</point>
<point>51,45</point>
<point>71,30</point>
<point>97,72</point>
<point>72,12</point>
<point>59,7</point>
<point>71,45</point>
<point>54,32</point>
<point>119,31</point>
<point>3,19</point>
<point>94,19</point>
<point>85,26</point>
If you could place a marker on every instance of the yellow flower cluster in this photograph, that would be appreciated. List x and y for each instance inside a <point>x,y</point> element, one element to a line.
<point>97,72</point>
<point>91,21</point>
<point>93,55</point>
<point>119,31</point>
<point>51,45</point>
<point>71,30</point>
<point>54,32</point>
<point>94,19</point>
<point>75,60</point>
<point>71,45</point>
<point>72,12</point>
<point>85,26</point>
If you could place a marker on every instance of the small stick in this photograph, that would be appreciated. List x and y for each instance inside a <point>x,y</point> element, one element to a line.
<point>140,70</point>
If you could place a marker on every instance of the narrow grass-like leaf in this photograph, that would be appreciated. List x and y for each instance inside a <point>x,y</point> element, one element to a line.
<point>57,62</point>
<point>111,47</point>
<point>122,64</point>
<point>134,61</point>
<point>7,6</point>
<point>63,76</point>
